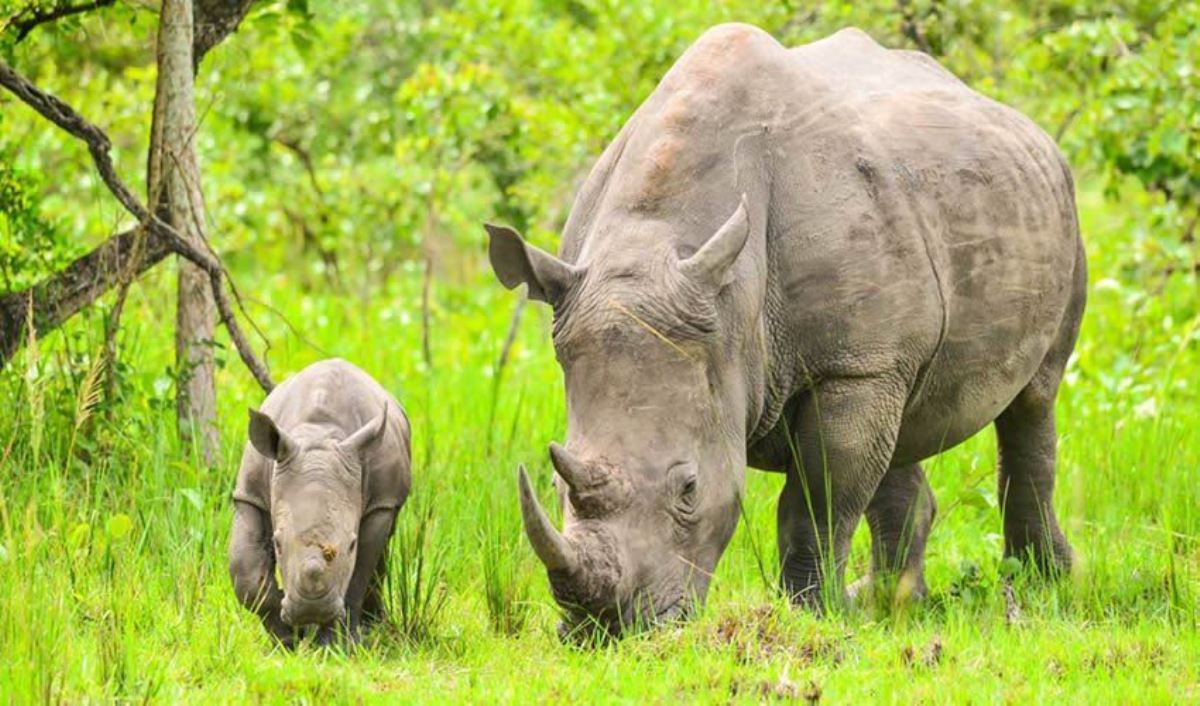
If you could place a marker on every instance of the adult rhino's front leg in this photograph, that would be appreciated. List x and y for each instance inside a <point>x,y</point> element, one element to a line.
<point>364,604</point>
<point>252,569</point>
<point>845,432</point>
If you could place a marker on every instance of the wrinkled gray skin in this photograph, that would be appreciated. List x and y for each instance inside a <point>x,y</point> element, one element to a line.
<point>326,470</point>
<point>833,262</point>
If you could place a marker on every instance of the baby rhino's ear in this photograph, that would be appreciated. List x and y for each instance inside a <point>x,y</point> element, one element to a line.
<point>268,439</point>
<point>367,434</point>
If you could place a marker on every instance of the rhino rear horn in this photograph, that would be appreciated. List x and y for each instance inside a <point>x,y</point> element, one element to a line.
<point>713,262</point>
<point>357,442</point>
<point>569,468</point>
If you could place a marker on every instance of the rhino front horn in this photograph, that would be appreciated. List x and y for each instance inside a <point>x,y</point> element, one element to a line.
<point>551,547</point>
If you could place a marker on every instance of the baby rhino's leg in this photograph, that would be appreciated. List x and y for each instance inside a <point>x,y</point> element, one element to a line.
<point>252,569</point>
<point>363,603</point>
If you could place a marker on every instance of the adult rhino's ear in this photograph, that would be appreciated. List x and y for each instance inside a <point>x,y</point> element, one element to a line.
<point>515,262</point>
<point>712,264</point>
<point>268,439</point>
<point>366,435</point>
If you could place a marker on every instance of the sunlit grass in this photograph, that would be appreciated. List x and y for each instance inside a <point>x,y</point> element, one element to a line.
<point>112,537</point>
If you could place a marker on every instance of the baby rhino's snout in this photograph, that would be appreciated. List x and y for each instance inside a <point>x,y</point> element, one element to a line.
<point>314,578</point>
<point>323,611</point>
<point>313,602</point>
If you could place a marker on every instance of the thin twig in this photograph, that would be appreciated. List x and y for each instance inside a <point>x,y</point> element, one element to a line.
<point>511,338</point>
<point>498,376</point>
<point>290,326</point>
<point>40,17</point>
<point>1065,123</point>
<point>426,285</point>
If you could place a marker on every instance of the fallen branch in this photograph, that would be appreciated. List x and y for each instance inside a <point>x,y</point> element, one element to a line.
<point>66,118</point>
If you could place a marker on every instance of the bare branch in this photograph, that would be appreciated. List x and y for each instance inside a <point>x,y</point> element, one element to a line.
<point>64,116</point>
<point>1066,123</point>
<point>39,16</point>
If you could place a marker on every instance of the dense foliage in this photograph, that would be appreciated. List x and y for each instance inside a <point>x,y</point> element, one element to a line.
<point>375,131</point>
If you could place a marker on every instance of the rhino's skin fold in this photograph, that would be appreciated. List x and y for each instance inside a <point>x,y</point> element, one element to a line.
<point>327,468</point>
<point>831,261</point>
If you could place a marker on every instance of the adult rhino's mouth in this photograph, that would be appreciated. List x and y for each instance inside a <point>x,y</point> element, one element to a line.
<point>583,628</point>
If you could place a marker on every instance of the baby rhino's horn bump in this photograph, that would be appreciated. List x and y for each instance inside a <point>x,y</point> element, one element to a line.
<point>329,552</point>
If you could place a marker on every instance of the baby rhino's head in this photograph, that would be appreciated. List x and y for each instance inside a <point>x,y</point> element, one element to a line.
<point>316,506</point>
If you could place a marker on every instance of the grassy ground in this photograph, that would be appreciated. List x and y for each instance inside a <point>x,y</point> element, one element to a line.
<point>112,537</point>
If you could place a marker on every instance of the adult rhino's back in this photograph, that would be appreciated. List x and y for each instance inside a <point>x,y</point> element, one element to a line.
<point>909,222</point>
<point>962,208</point>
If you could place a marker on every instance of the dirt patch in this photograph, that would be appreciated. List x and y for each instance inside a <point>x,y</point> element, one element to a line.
<point>1137,656</point>
<point>782,689</point>
<point>928,656</point>
<point>760,634</point>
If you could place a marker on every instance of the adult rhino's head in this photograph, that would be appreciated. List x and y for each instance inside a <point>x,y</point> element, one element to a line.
<point>316,506</point>
<point>650,475</point>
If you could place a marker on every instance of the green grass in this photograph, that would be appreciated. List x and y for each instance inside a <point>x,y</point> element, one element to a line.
<point>112,537</point>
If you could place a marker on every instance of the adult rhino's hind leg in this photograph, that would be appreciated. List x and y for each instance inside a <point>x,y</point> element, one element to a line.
<point>1028,445</point>
<point>900,516</point>
<point>845,433</point>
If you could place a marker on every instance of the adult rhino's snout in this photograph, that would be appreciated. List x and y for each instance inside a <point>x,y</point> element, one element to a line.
<point>583,568</point>
<point>554,550</point>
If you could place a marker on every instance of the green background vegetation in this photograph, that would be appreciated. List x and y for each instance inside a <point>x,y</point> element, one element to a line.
<point>345,147</point>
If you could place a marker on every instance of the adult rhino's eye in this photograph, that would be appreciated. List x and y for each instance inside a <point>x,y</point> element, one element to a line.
<point>687,495</point>
<point>353,544</point>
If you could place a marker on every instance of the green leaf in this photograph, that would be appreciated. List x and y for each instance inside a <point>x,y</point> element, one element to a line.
<point>118,527</point>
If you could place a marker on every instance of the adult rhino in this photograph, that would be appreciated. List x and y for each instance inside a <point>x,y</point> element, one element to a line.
<point>831,261</point>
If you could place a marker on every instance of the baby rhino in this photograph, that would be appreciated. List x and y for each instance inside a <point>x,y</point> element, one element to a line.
<point>326,470</point>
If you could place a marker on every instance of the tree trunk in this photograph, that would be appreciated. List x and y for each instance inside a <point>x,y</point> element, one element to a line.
<point>174,195</point>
